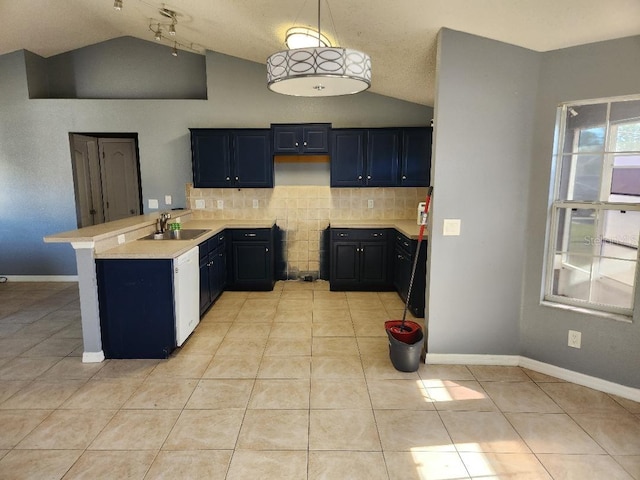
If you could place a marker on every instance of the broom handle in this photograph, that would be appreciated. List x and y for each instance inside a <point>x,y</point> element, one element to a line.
<point>415,258</point>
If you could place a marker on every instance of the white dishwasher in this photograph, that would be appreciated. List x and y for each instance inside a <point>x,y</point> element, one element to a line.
<point>186,291</point>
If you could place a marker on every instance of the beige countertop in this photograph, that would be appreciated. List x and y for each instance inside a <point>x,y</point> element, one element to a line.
<point>106,230</point>
<point>133,228</point>
<point>175,248</point>
<point>104,235</point>
<point>406,227</point>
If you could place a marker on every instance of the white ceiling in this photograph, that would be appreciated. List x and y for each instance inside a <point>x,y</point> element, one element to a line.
<point>399,35</point>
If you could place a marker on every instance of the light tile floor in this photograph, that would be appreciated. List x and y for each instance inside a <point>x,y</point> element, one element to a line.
<point>290,384</point>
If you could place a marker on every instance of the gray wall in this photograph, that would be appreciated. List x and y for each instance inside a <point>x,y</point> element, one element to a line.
<point>125,68</point>
<point>36,183</point>
<point>484,112</point>
<point>610,348</point>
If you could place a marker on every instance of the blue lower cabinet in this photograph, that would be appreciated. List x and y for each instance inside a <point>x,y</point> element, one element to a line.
<point>360,259</point>
<point>213,270</point>
<point>252,259</point>
<point>137,316</point>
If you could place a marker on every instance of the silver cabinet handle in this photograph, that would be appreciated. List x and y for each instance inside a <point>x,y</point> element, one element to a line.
<point>359,177</point>
<point>368,177</point>
<point>266,249</point>
<point>305,144</point>
<point>237,179</point>
<point>297,144</point>
<point>228,179</point>
<point>249,234</point>
<point>405,244</point>
<point>343,234</point>
<point>404,177</point>
<point>221,238</point>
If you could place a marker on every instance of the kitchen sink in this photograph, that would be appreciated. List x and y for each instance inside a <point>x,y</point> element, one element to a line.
<point>184,234</point>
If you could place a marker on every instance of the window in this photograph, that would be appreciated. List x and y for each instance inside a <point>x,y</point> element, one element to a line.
<point>595,212</point>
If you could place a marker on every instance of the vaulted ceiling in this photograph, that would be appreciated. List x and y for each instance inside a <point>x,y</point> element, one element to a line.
<point>399,35</point>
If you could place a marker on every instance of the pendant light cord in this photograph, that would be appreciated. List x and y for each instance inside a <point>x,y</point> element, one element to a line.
<point>319,32</point>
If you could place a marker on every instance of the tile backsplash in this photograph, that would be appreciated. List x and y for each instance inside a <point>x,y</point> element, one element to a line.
<point>304,212</point>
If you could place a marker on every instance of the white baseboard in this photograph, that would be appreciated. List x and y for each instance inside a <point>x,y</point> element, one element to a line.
<point>93,357</point>
<point>596,383</point>
<point>40,278</point>
<point>472,359</point>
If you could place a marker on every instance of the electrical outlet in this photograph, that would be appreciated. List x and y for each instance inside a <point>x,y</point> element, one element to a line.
<point>575,339</point>
<point>200,204</point>
<point>121,239</point>
<point>167,199</point>
<point>220,204</point>
<point>256,204</point>
<point>153,203</point>
<point>369,203</point>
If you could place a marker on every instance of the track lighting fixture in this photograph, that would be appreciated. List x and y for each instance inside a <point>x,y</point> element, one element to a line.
<point>166,22</point>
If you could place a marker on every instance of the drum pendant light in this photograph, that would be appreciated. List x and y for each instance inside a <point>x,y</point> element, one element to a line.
<point>318,71</point>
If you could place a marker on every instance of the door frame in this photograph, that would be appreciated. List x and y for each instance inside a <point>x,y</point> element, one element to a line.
<point>105,135</point>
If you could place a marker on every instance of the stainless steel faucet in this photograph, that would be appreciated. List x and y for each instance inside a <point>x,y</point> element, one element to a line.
<point>162,222</point>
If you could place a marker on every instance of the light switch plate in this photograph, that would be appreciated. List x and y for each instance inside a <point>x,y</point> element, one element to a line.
<point>200,204</point>
<point>121,239</point>
<point>153,203</point>
<point>167,199</point>
<point>369,203</point>
<point>256,204</point>
<point>220,204</point>
<point>451,227</point>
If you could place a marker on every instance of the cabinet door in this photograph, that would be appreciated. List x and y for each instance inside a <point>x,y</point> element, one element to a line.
<point>315,139</point>
<point>402,273</point>
<point>286,139</point>
<point>347,158</point>
<point>373,263</point>
<point>345,263</point>
<point>251,263</point>
<point>211,158</point>
<point>221,267</point>
<point>253,163</point>
<point>416,157</point>
<point>383,155</point>
<point>137,317</point>
<point>205,291</point>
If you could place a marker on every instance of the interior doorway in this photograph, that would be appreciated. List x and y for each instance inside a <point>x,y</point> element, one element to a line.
<point>106,177</point>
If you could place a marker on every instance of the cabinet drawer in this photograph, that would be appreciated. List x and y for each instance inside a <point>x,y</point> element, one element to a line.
<point>359,234</point>
<point>405,243</point>
<point>254,234</point>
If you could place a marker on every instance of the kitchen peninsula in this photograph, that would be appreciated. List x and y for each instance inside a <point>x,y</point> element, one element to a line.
<point>121,240</point>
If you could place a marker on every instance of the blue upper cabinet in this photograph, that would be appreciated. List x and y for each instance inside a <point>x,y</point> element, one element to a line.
<point>381,157</point>
<point>211,157</point>
<point>231,158</point>
<point>347,157</point>
<point>301,139</point>
<point>415,165</point>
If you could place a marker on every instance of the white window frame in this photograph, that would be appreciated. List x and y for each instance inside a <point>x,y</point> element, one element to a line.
<point>556,205</point>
